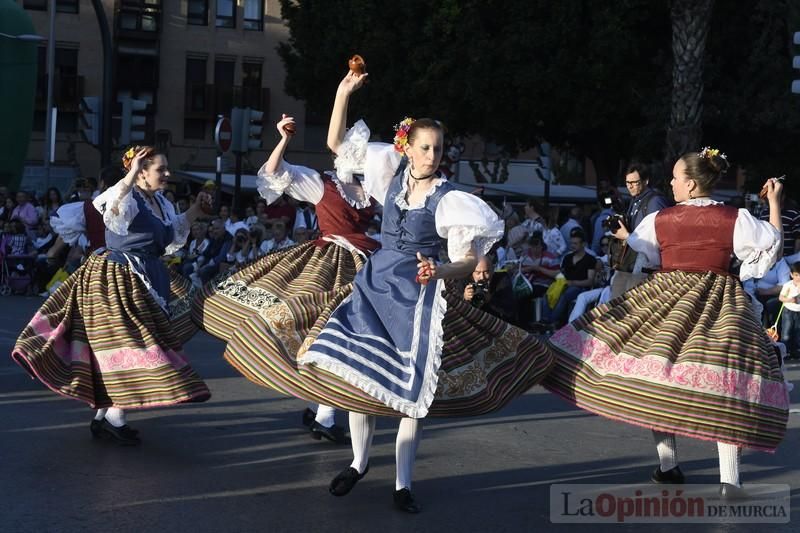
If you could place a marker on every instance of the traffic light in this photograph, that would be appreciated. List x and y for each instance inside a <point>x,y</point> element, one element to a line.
<point>542,168</point>
<point>796,64</point>
<point>247,128</point>
<point>90,119</point>
<point>133,120</point>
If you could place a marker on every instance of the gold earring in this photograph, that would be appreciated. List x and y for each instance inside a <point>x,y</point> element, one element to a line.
<point>691,196</point>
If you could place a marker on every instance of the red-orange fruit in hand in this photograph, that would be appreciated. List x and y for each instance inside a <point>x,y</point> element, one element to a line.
<point>289,128</point>
<point>357,64</point>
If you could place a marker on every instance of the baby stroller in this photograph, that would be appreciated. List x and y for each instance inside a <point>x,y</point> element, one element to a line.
<point>16,274</point>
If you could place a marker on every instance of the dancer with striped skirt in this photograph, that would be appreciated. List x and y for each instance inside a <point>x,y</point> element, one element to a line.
<point>290,288</point>
<point>684,353</point>
<point>111,334</point>
<point>400,344</point>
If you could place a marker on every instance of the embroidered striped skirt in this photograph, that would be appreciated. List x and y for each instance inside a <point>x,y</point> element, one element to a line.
<point>485,362</point>
<point>102,338</point>
<point>303,277</point>
<point>681,353</point>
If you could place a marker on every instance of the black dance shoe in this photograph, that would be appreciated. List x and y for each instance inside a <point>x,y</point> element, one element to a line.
<point>673,475</point>
<point>334,433</point>
<point>96,427</point>
<point>344,482</point>
<point>308,417</point>
<point>403,501</point>
<point>125,435</point>
<point>731,492</point>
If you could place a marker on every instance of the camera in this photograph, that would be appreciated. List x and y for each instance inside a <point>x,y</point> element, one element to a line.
<point>612,222</point>
<point>481,294</point>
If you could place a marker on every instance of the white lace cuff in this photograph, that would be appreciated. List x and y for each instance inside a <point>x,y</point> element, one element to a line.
<point>352,154</point>
<point>468,224</point>
<point>757,244</point>
<point>758,262</point>
<point>118,209</point>
<point>69,222</point>
<point>272,185</point>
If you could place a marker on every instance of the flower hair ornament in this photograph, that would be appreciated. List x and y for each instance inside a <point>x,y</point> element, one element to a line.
<point>710,153</point>
<point>401,134</point>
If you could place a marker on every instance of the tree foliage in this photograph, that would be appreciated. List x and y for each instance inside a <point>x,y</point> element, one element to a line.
<point>591,75</point>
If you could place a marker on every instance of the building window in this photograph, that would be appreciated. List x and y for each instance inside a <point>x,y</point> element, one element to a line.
<point>67,6</point>
<point>194,128</point>
<point>196,99</point>
<point>251,85</point>
<point>253,15</point>
<point>223,86</point>
<point>67,89</point>
<point>197,13</point>
<point>39,5</point>
<point>226,14</point>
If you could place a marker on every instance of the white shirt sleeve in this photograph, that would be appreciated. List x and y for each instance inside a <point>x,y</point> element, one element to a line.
<point>380,167</point>
<point>301,183</point>
<point>468,224</point>
<point>118,210</point>
<point>644,241</point>
<point>69,222</point>
<point>756,243</point>
<point>180,224</point>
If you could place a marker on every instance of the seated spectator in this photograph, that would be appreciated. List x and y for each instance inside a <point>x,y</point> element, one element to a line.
<point>552,238</point>
<point>7,208</point>
<point>491,291</point>
<point>300,234</point>
<point>765,291</point>
<point>282,209</point>
<point>541,267</point>
<point>578,267</point>
<point>601,293</point>
<point>241,251</point>
<point>280,239</point>
<point>306,217</point>
<point>579,231</point>
<point>573,221</point>
<point>206,266</point>
<point>26,213</point>
<point>256,233</point>
<point>182,205</point>
<point>250,217</point>
<point>534,222</point>
<point>52,201</point>
<point>198,242</point>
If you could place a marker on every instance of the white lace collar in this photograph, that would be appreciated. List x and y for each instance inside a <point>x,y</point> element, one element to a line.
<point>400,199</point>
<point>159,196</point>
<point>700,202</point>
<point>358,204</point>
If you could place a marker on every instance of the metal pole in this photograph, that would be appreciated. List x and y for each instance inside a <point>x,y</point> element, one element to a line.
<point>218,181</point>
<point>51,66</point>
<point>237,185</point>
<point>108,81</point>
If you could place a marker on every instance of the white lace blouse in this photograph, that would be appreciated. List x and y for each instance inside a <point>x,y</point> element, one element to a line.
<point>755,242</point>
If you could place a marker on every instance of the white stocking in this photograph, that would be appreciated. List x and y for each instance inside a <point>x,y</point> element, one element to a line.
<point>667,452</point>
<point>362,429</point>
<point>325,416</point>
<point>408,437</point>
<point>729,456</point>
<point>116,417</point>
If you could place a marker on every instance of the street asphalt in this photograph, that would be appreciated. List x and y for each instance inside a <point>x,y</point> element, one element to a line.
<point>243,462</point>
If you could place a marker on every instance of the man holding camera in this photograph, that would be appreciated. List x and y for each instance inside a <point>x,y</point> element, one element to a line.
<point>491,293</point>
<point>644,200</point>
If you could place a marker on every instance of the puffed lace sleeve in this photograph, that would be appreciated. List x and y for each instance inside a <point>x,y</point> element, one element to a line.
<point>180,225</point>
<point>301,183</point>
<point>468,224</point>
<point>69,222</point>
<point>757,243</point>
<point>117,207</point>
<point>376,162</point>
<point>644,241</point>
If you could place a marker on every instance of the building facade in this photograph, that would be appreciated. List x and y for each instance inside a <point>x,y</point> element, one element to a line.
<point>190,60</point>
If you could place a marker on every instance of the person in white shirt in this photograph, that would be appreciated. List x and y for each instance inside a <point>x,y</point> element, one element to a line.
<point>280,239</point>
<point>572,222</point>
<point>790,320</point>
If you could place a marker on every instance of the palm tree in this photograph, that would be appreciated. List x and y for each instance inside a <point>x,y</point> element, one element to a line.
<point>690,22</point>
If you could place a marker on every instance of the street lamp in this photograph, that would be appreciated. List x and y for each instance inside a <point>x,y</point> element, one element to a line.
<point>29,37</point>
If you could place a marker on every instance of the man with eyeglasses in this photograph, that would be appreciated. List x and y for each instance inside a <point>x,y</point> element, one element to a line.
<point>644,200</point>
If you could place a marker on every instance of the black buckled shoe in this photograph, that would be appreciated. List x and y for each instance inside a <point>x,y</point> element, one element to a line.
<point>344,482</point>
<point>308,417</point>
<point>673,475</point>
<point>731,492</point>
<point>125,435</point>
<point>404,501</point>
<point>334,433</point>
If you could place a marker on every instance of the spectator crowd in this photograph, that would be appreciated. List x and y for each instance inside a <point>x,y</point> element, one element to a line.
<point>552,265</point>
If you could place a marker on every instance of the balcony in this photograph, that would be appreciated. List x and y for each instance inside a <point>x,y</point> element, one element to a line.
<point>205,101</point>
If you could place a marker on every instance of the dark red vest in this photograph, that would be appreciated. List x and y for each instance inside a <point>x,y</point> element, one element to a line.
<point>95,228</point>
<point>336,216</point>
<point>695,238</point>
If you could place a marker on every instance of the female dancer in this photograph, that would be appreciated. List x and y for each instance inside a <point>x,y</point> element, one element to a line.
<point>399,340</point>
<point>102,336</point>
<point>683,353</point>
<point>285,291</point>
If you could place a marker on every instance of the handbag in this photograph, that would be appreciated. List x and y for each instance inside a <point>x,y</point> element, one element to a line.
<point>772,331</point>
<point>555,290</point>
<point>520,285</point>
